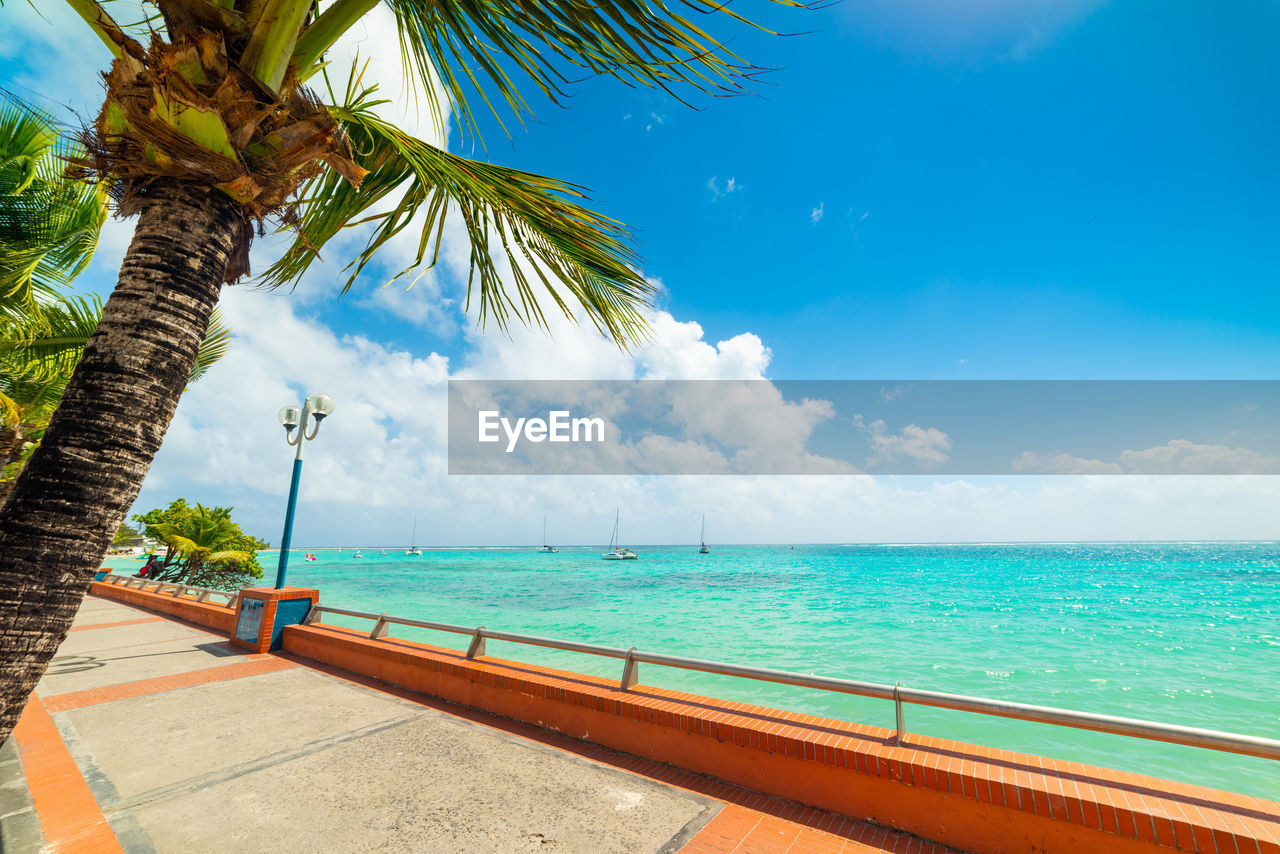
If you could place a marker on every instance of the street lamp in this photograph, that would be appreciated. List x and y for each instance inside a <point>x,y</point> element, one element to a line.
<point>317,407</point>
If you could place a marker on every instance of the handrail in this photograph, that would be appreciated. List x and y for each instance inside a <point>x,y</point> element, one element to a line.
<point>1248,745</point>
<point>202,594</point>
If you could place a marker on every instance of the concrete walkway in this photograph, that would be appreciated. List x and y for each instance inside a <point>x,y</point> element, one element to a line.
<point>152,735</point>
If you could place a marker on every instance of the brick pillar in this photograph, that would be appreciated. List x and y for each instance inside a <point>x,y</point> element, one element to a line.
<point>263,613</point>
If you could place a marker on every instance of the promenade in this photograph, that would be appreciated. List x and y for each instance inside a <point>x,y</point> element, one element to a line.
<point>149,734</point>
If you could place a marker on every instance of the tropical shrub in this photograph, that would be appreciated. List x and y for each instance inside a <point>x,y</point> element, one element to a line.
<point>204,547</point>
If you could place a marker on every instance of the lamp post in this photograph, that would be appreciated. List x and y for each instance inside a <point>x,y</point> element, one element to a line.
<point>317,407</point>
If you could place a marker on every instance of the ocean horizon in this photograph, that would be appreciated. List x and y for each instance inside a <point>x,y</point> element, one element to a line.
<point>784,544</point>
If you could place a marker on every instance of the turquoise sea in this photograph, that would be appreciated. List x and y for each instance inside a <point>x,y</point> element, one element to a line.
<point>1185,633</point>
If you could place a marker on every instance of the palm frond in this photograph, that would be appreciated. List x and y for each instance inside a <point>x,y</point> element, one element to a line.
<point>466,44</point>
<point>216,343</point>
<point>56,339</point>
<point>27,133</point>
<point>49,224</point>
<point>229,556</point>
<point>582,259</point>
<point>178,542</point>
<point>29,396</point>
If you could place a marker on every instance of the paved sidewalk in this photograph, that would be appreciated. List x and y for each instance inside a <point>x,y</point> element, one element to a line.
<point>152,735</point>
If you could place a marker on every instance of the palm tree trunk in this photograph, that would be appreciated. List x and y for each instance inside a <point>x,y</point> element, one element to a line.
<point>67,505</point>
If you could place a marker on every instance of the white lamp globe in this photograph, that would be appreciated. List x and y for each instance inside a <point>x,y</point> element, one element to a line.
<point>289,416</point>
<point>321,405</point>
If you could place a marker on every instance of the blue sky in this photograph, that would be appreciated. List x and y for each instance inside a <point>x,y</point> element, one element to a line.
<point>1090,197</point>
<point>923,190</point>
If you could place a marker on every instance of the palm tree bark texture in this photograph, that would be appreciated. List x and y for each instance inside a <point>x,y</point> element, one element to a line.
<point>75,492</point>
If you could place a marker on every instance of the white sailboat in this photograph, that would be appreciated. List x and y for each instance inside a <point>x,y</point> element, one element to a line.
<point>617,552</point>
<point>413,541</point>
<point>546,549</point>
<point>702,538</point>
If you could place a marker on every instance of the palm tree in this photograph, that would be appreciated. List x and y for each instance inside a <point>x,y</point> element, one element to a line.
<point>209,129</point>
<point>49,227</point>
<point>202,542</point>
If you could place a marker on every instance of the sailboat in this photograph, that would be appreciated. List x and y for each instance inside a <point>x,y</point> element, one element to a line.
<point>545,548</point>
<point>413,540</point>
<point>702,538</point>
<point>616,552</point>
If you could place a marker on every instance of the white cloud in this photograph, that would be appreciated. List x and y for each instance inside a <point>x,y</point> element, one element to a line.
<point>718,192</point>
<point>815,216</point>
<point>767,433</point>
<point>1183,457</point>
<point>1061,463</point>
<point>383,438</point>
<point>676,350</point>
<point>1175,457</point>
<point>424,302</point>
<point>928,446</point>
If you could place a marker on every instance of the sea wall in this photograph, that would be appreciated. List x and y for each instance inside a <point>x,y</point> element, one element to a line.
<point>212,616</point>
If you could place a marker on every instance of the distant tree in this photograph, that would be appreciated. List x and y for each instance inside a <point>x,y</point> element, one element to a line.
<point>124,534</point>
<point>205,548</point>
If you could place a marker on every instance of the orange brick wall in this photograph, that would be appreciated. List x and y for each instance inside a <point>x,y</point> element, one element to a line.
<point>215,617</point>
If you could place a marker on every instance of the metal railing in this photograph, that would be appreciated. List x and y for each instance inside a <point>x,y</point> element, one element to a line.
<point>1248,745</point>
<point>178,591</point>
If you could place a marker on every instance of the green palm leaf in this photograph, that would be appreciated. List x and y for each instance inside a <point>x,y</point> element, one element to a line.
<point>229,556</point>
<point>178,542</point>
<point>470,44</point>
<point>56,341</point>
<point>216,343</point>
<point>579,258</point>
<point>49,224</point>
